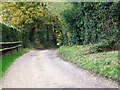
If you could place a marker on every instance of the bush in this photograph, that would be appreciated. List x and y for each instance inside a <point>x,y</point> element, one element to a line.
<point>104,46</point>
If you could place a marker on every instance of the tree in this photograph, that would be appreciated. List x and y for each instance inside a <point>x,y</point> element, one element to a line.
<point>94,23</point>
<point>33,18</point>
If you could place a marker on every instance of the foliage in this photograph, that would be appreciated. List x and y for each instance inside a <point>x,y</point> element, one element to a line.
<point>44,24</point>
<point>35,21</point>
<point>74,23</point>
<point>105,63</point>
<point>10,34</point>
<point>8,60</point>
<point>95,23</point>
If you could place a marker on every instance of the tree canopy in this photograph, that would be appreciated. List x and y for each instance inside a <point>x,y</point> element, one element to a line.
<point>74,23</point>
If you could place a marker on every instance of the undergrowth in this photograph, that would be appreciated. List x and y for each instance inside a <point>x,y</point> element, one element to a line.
<point>104,63</point>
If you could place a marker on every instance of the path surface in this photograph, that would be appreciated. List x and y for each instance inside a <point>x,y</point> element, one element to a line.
<point>44,69</point>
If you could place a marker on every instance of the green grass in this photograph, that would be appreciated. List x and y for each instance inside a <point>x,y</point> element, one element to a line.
<point>104,63</point>
<point>8,60</point>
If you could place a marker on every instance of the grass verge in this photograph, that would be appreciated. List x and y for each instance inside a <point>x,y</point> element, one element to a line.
<point>8,60</point>
<point>105,63</point>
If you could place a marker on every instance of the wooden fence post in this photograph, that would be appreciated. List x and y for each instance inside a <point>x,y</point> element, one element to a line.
<point>15,45</point>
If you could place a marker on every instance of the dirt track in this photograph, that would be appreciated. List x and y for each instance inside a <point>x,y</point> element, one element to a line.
<point>44,69</point>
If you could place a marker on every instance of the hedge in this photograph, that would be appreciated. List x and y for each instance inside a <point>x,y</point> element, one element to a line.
<point>10,34</point>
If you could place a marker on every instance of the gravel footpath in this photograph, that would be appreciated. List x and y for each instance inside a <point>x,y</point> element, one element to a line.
<point>44,69</point>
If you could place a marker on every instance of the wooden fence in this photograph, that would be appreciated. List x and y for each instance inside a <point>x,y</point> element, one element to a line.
<point>10,47</point>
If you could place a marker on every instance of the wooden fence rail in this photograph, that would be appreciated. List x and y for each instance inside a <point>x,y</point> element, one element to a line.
<point>9,47</point>
<point>10,42</point>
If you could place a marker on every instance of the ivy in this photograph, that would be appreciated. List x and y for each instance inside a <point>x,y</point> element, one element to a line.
<point>95,23</point>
